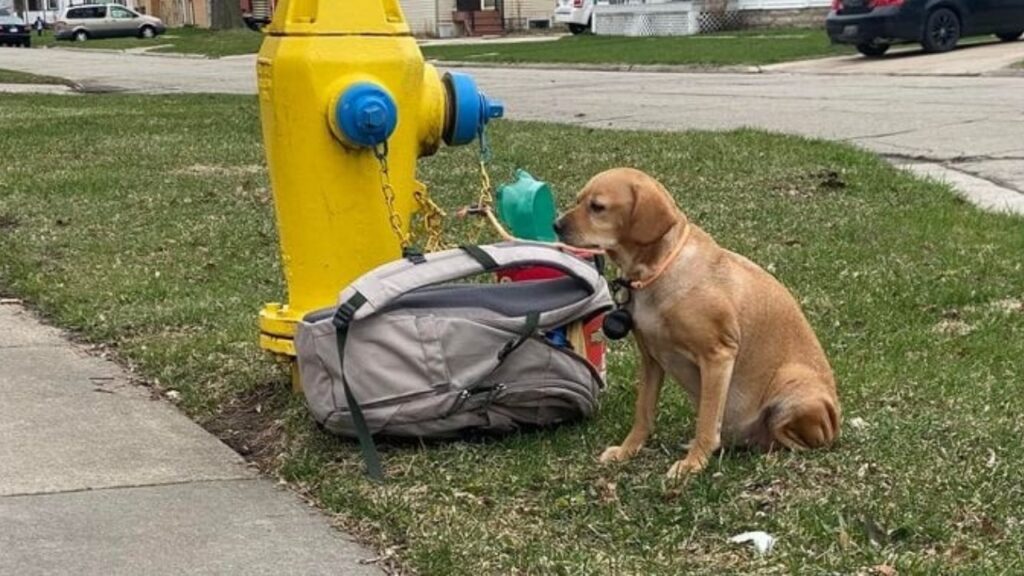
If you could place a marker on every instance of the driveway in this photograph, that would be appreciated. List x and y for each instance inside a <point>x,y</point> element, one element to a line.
<point>937,123</point>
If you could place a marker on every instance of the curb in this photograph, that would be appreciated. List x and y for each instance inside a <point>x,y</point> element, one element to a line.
<point>659,68</point>
<point>983,193</point>
<point>12,88</point>
<point>135,52</point>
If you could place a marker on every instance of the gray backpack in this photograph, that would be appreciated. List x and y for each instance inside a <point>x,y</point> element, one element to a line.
<point>411,352</point>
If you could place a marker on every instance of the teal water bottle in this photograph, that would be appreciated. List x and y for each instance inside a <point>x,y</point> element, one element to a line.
<point>527,207</point>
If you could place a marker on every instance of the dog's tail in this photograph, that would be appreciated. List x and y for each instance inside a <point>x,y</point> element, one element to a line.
<point>802,412</point>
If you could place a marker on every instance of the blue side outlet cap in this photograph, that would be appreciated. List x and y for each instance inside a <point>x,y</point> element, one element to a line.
<point>366,114</point>
<point>469,109</point>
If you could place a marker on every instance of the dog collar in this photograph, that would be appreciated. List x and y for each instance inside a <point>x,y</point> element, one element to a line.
<point>645,282</point>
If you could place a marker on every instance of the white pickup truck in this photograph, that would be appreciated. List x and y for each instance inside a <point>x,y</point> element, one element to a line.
<point>575,13</point>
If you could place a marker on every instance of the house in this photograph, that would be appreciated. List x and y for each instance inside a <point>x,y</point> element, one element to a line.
<point>444,18</point>
<point>447,18</point>
<point>177,13</point>
<point>172,12</point>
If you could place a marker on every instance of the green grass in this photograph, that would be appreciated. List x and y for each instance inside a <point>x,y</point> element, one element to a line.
<point>164,248</point>
<point>212,43</point>
<point>16,77</point>
<point>726,49</point>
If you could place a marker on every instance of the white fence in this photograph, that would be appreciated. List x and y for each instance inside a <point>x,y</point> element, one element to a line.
<point>662,19</point>
<point>680,17</point>
<point>781,4</point>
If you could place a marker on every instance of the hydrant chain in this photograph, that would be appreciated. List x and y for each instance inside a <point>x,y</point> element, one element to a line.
<point>485,200</point>
<point>394,218</point>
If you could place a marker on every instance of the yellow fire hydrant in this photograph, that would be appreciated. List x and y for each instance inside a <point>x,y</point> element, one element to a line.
<point>348,106</point>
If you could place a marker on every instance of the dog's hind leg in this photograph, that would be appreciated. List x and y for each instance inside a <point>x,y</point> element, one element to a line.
<point>801,413</point>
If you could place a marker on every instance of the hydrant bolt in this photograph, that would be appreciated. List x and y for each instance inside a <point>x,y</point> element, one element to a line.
<point>372,117</point>
<point>365,115</point>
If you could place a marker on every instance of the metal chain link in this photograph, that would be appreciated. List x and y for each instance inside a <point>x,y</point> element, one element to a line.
<point>394,218</point>
<point>431,215</point>
<point>432,218</point>
<point>486,200</point>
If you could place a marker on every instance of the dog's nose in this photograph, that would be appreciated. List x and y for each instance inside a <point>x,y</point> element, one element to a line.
<point>558,226</point>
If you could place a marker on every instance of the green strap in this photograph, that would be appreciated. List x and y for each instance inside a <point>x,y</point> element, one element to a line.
<point>481,256</point>
<point>524,334</point>
<point>342,319</point>
<point>529,328</point>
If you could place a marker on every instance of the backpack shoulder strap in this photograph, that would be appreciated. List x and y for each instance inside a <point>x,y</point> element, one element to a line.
<point>342,317</point>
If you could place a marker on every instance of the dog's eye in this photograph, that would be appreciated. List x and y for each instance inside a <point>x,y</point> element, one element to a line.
<point>596,207</point>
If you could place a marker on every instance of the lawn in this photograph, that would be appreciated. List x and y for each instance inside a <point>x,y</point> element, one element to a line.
<point>732,48</point>
<point>752,47</point>
<point>163,248</point>
<point>212,43</point>
<point>16,77</point>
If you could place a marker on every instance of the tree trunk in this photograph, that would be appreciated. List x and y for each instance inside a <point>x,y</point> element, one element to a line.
<point>225,14</point>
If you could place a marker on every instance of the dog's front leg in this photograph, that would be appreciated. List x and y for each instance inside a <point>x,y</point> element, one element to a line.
<point>715,375</point>
<point>648,389</point>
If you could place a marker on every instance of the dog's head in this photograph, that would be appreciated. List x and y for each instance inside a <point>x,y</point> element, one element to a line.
<point>617,209</point>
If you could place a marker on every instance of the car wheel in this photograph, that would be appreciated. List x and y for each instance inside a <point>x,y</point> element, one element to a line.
<point>941,30</point>
<point>147,32</point>
<point>578,28</point>
<point>872,50</point>
<point>1009,36</point>
<point>81,36</point>
<point>27,43</point>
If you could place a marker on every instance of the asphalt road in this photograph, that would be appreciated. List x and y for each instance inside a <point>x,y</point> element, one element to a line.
<point>973,124</point>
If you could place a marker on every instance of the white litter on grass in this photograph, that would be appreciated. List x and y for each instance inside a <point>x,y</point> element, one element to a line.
<point>762,541</point>
<point>858,423</point>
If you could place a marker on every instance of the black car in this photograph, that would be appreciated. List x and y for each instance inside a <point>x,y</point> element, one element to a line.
<point>14,31</point>
<point>874,25</point>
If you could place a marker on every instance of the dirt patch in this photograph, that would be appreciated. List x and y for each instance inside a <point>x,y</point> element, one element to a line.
<point>953,327</point>
<point>1006,305</point>
<point>8,221</point>
<point>253,424</point>
<point>811,184</point>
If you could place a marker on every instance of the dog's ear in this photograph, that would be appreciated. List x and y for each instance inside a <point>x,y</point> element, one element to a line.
<point>653,214</point>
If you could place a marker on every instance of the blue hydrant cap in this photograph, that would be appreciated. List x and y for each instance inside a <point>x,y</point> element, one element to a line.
<point>366,114</point>
<point>469,109</point>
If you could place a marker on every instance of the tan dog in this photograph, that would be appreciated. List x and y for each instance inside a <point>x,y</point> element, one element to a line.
<point>721,326</point>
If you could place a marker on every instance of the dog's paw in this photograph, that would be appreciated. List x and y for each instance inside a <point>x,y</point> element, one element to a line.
<point>685,467</point>
<point>615,454</point>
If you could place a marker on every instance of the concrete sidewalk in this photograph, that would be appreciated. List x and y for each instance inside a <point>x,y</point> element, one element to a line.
<point>99,477</point>
<point>973,59</point>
